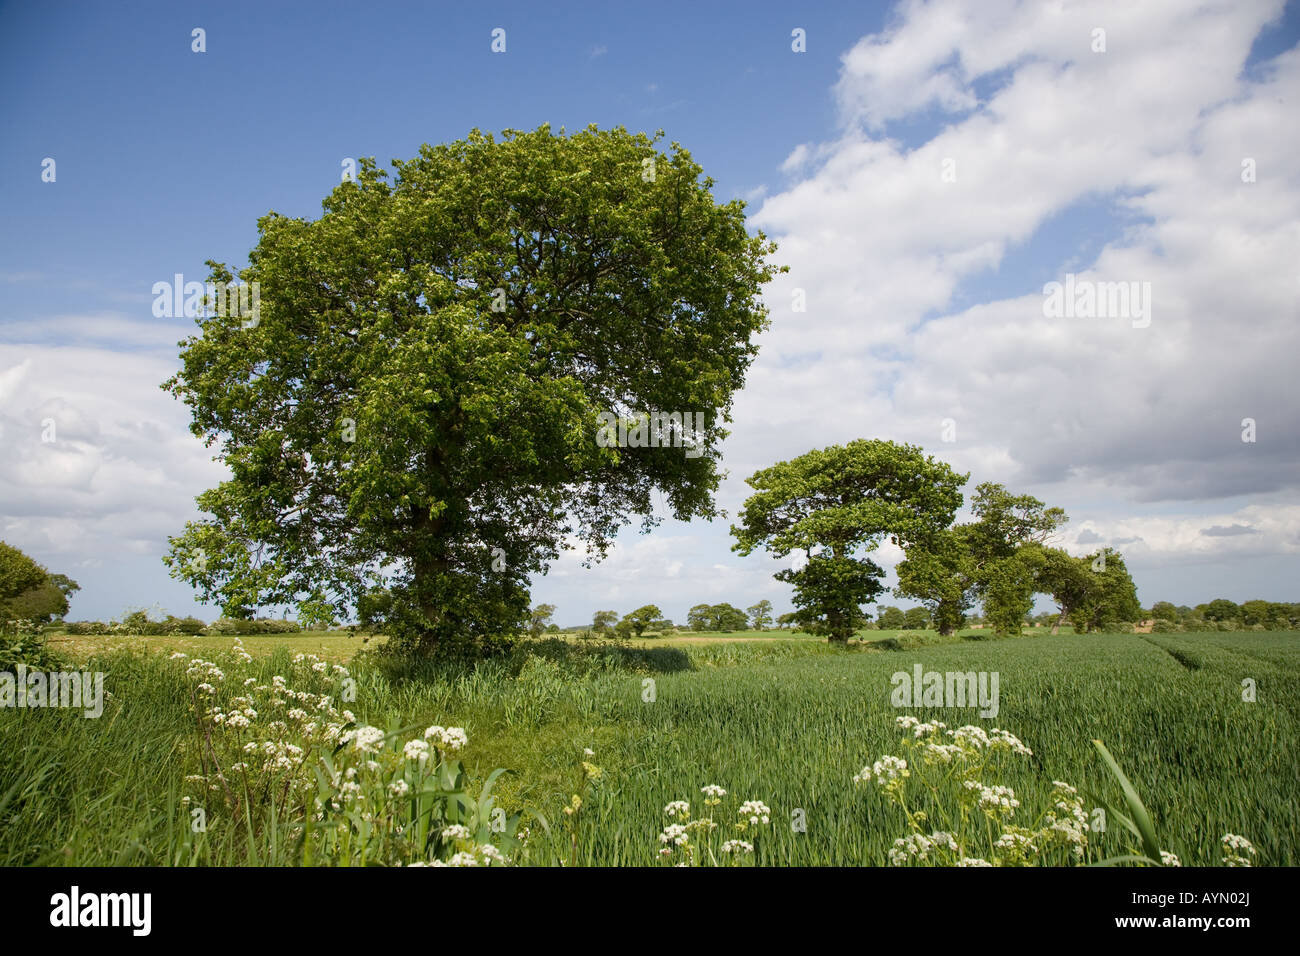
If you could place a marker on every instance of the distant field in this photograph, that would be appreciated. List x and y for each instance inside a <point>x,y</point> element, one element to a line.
<point>786,721</point>
<point>340,646</point>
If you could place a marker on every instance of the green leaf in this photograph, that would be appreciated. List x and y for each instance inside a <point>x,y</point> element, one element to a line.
<point>1141,820</point>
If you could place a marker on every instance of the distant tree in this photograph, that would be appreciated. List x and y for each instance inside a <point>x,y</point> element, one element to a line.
<point>1221,609</point>
<point>726,618</point>
<point>916,619</point>
<point>601,621</point>
<point>891,618</point>
<point>1257,612</point>
<point>1114,599</point>
<point>1067,579</point>
<point>1164,611</point>
<point>539,618</point>
<point>760,615</point>
<point>623,629</point>
<point>642,618</point>
<point>699,617</point>
<point>785,621</point>
<point>1285,616</point>
<point>1005,544</point>
<point>1091,591</point>
<point>845,500</point>
<point>661,626</point>
<point>65,584</point>
<point>1007,588</point>
<point>991,559</point>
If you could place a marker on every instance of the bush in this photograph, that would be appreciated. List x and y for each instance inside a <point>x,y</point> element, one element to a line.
<point>226,626</point>
<point>1166,627</point>
<point>22,642</point>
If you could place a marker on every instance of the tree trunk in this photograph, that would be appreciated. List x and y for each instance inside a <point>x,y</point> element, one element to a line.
<point>1056,628</point>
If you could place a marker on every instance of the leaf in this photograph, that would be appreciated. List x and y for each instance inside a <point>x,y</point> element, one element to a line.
<point>1141,819</point>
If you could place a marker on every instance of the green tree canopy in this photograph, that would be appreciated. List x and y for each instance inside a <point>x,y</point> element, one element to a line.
<point>1090,591</point>
<point>699,617</point>
<point>28,592</point>
<point>1221,609</point>
<point>1164,611</point>
<point>417,401</point>
<point>18,573</point>
<point>916,619</point>
<point>727,618</point>
<point>760,615</point>
<point>893,618</point>
<point>992,558</point>
<point>642,618</point>
<point>844,500</point>
<point>539,618</point>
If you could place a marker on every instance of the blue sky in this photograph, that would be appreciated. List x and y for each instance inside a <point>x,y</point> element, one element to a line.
<point>925,310</point>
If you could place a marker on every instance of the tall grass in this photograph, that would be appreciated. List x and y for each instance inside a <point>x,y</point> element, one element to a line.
<point>787,723</point>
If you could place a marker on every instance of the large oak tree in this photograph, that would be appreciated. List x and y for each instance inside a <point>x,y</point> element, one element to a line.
<point>416,405</point>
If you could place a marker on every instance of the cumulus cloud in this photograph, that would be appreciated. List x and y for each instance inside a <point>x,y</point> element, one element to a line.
<point>99,466</point>
<point>894,238</point>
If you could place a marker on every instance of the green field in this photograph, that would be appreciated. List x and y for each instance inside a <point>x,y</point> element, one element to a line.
<point>788,722</point>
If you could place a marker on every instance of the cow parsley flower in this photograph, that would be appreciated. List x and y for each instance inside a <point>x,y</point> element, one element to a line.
<point>1237,850</point>
<point>416,750</point>
<point>366,739</point>
<point>884,770</point>
<point>675,834</point>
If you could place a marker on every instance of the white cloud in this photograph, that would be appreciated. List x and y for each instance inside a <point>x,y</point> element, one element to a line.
<point>881,244</point>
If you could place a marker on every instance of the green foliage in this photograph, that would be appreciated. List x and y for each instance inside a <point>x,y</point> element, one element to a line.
<point>1221,609</point>
<point>760,615</point>
<point>540,619</point>
<point>416,406</point>
<point>1007,585</point>
<point>916,619</point>
<point>23,642</point>
<point>1093,591</point>
<point>642,618</point>
<point>842,500</point>
<point>18,573</point>
<point>374,608</point>
<point>723,618</point>
<point>891,618</point>
<point>42,604</point>
<point>28,592</point>
<point>1164,611</point>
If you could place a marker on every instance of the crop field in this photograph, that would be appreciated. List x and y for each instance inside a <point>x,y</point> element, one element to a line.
<point>785,722</point>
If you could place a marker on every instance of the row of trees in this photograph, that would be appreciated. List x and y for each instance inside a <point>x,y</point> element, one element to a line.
<point>1270,615</point>
<point>838,505</point>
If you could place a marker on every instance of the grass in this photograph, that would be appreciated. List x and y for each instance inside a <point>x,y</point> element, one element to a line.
<point>785,721</point>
